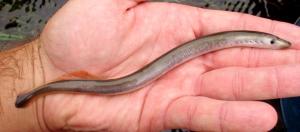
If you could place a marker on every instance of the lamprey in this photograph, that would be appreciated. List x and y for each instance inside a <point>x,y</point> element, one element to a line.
<point>161,65</point>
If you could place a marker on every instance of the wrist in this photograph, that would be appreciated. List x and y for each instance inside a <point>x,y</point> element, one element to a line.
<point>22,69</point>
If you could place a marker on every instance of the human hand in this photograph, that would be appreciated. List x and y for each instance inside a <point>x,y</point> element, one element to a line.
<point>215,92</point>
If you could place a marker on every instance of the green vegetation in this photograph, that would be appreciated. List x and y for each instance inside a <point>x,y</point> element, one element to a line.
<point>9,37</point>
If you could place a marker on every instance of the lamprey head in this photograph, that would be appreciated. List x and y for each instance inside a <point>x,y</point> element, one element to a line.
<point>280,43</point>
<point>258,40</point>
<point>275,42</point>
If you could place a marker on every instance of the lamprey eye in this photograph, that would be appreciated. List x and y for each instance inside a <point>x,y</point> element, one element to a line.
<point>272,41</point>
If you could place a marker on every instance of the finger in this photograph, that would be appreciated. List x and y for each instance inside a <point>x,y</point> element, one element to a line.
<point>216,21</point>
<point>213,22</point>
<point>204,114</point>
<point>237,83</point>
<point>246,56</point>
<point>108,5</point>
<point>251,57</point>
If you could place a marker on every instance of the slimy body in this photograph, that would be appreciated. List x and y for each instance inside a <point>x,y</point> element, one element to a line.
<point>161,65</point>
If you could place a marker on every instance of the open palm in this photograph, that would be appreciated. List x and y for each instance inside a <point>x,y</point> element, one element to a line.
<point>113,38</point>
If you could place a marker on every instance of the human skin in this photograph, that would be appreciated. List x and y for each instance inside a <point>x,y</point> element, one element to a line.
<point>112,38</point>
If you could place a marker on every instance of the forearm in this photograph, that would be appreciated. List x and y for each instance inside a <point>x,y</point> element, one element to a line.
<point>21,69</point>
